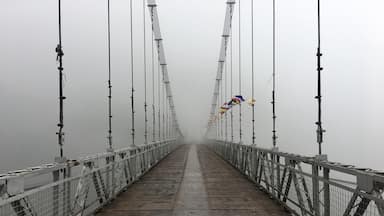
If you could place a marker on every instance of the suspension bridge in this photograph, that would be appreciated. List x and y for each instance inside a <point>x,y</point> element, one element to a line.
<point>166,175</point>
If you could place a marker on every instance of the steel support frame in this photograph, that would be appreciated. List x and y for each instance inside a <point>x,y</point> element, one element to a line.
<point>222,58</point>
<point>152,6</point>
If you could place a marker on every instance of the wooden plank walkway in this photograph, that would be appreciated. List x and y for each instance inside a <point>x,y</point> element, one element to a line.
<point>193,181</point>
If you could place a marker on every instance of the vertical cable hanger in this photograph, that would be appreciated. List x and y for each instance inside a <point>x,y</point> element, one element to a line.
<point>225,97</point>
<point>170,122</point>
<point>218,117</point>
<point>240,108</point>
<point>173,127</point>
<point>59,59</point>
<point>109,79</point>
<point>163,110</point>
<point>231,86</point>
<point>320,129</point>
<point>253,75</point>
<point>153,86</point>
<point>222,102</point>
<point>145,78</point>
<point>217,127</point>
<point>219,101</point>
<point>274,137</point>
<point>166,117</point>
<point>159,98</point>
<point>132,76</point>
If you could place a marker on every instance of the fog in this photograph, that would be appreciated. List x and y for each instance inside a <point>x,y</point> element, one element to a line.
<point>352,46</point>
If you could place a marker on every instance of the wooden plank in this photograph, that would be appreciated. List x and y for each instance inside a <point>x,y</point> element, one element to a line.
<point>193,181</point>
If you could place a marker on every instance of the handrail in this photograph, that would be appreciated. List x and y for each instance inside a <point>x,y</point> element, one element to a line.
<point>90,184</point>
<point>307,185</point>
<point>48,168</point>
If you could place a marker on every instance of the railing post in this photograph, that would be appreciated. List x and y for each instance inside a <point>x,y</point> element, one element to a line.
<point>110,173</point>
<point>257,160</point>
<point>278,176</point>
<point>56,177</point>
<point>67,198</point>
<point>327,200</point>
<point>133,164</point>
<point>315,189</point>
<point>252,164</point>
<point>56,189</point>
<point>275,172</point>
<point>272,173</point>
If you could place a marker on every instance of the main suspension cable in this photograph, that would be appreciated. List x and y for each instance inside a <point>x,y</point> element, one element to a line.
<point>109,80</point>
<point>240,108</point>
<point>59,59</point>
<point>145,77</point>
<point>274,137</point>
<point>320,129</point>
<point>132,76</point>
<point>253,76</point>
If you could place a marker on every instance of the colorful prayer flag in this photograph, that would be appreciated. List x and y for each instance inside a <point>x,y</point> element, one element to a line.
<point>235,101</point>
<point>240,98</point>
<point>251,101</point>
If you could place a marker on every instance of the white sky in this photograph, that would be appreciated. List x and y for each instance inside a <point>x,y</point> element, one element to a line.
<point>352,45</point>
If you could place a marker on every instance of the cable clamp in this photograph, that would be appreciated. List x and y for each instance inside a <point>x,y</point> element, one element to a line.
<point>59,52</point>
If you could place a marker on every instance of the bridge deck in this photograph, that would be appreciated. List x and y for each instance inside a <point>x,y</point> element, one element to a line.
<point>193,181</point>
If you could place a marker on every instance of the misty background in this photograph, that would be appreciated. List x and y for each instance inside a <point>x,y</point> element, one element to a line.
<point>352,44</point>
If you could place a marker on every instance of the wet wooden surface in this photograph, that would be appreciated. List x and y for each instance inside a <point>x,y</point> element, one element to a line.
<point>193,181</point>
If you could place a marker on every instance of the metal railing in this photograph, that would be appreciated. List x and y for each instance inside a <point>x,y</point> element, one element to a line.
<point>78,187</point>
<point>307,185</point>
